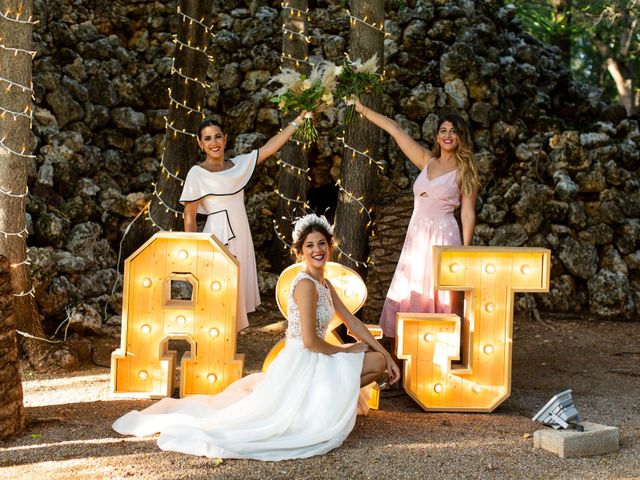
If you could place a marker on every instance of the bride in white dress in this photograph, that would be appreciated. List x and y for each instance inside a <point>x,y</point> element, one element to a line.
<point>305,404</point>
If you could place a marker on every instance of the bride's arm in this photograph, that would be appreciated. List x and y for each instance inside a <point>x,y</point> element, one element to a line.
<point>306,297</point>
<point>362,333</point>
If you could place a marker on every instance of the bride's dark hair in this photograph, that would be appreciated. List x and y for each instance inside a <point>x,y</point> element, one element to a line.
<point>296,247</point>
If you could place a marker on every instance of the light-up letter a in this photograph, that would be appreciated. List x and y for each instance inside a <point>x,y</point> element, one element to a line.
<point>454,365</point>
<point>178,286</point>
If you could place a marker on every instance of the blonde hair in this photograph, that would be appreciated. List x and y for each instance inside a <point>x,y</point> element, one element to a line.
<point>464,153</point>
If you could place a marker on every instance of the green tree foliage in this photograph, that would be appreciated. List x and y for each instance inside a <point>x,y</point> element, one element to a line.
<point>599,41</point>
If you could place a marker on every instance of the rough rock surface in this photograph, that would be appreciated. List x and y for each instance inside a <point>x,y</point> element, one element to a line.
<point>559,167</point>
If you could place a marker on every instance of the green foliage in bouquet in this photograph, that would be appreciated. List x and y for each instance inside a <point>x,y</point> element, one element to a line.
<point>353,79</point>
<point>300,93</point>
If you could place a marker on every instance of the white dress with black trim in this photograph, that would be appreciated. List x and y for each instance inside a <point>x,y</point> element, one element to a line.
<point>304,405</point>
<point>221,196</point>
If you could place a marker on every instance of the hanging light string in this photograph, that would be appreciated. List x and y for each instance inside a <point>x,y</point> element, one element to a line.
<point>192,20</point>
<point>14,234</point>
<point>289,201</point>
<point>26,261</point>
<point>9,193</point>
<point>358,200</point>
<point>19,154</point>
<point>168,209</point>
<point>169,173</point>
<point>359,263</point>
<point>183,105</point>
<point>17,19</point>
<point>365,154</point>
<point>182,45</point>
<point>294,12</point>
<point>15,51</point>
<point>177,130</point>
<point>187,78</point>
<point>24,88</point>
<point>354,19</point>
<point>30,293</point>
<point>294,169</point>
<point>281,237</point>
<point>150,218</point>
<point>27,113</point>
<point>291,33</point>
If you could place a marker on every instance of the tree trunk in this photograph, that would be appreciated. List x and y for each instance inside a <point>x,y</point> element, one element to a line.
<point>624,85</point>
<point>11,408</point>
<point>359,176</point>
<point>292,176</point>
<point>15,125</point>
<point>561,35</point>
<point>188,88</point>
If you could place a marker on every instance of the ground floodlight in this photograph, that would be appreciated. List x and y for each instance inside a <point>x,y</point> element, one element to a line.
<point>559,412</point>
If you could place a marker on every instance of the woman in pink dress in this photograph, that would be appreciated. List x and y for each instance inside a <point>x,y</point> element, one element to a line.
<point>448,179</point>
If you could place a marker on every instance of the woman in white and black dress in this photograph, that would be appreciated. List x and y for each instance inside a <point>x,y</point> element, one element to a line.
<point>215,187</point>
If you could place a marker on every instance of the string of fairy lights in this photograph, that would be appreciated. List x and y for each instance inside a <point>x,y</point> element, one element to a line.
<point>8,114</point>
<point>302,15</point>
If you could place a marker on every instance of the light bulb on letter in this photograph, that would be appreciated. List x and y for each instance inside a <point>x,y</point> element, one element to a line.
<point>183,254</point>
<point>214,332</point>
<point>489,307</point>
<point>428,337</point>
<point>488,349</point>
<point>216,286</point>
<point>525,269</point>
<point>146,282</point>
<point>181,320</point>
<point>211,378</point>
<point>143,375</point>
<point>454,267</point>
<point>490,268</point>
<point>145,329</point>
<point>438,388</point>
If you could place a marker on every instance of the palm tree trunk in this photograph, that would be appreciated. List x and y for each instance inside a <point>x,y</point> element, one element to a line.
<point>11,408</point>
<point>15,125</point>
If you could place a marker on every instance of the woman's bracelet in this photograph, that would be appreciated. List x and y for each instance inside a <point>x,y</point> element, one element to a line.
<point>294,124</point>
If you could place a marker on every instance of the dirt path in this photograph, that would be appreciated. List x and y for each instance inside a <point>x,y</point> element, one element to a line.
<point>69,435</point>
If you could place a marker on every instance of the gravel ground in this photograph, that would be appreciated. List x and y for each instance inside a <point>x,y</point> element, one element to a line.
<point>68,432</point>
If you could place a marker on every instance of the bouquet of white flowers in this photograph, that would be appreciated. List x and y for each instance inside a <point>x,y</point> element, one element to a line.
<point>312,94</point>
<point>353,79</point>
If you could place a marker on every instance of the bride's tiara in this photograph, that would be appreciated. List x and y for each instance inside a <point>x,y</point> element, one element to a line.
<point>311,219</point>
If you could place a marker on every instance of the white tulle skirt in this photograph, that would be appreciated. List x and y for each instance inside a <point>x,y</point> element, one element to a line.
<point>304,405</point>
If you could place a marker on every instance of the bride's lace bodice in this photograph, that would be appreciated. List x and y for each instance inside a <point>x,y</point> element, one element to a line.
<point>324,310</point>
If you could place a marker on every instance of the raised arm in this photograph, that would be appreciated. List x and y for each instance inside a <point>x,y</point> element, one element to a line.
<point>362,333</point>
<point>306,297</point>
<point>189,216</point>
<point>415,152</point>
<point>468,216</point>
<point>275,143</point>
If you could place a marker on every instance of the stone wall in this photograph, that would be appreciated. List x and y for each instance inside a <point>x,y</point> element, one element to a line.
<point>559,167</point>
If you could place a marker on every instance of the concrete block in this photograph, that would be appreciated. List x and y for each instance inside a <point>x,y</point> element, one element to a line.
<point>596,439</point>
